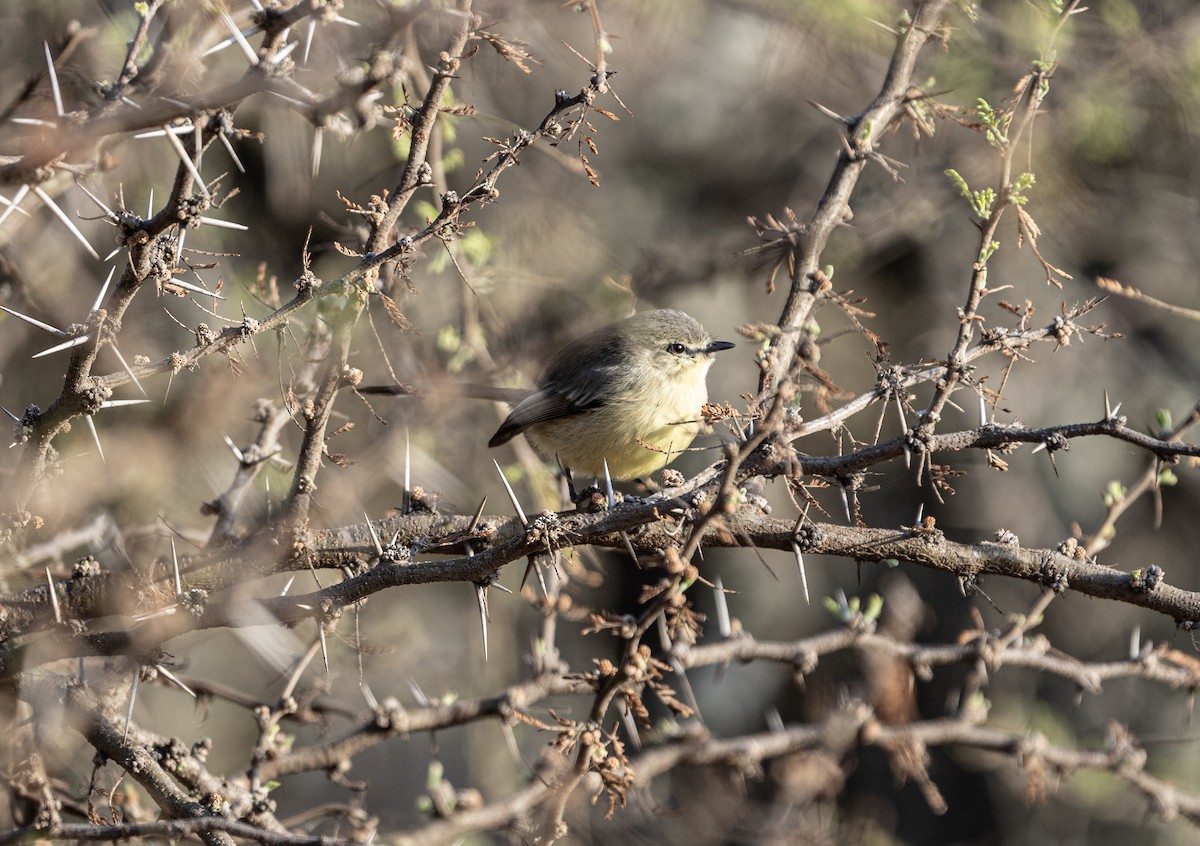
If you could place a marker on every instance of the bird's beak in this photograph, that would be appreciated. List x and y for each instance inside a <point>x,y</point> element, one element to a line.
<point>717,346</point>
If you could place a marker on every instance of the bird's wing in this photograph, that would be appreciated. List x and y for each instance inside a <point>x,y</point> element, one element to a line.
<point>540,407</point>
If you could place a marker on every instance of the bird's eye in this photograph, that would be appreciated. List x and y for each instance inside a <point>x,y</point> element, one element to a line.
<point>676,348</point>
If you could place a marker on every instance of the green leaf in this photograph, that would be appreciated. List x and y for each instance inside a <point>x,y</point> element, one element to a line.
<point>1162,418</point>
<point>959,182</point>
<point>477,247</point>
<point>434,775</point>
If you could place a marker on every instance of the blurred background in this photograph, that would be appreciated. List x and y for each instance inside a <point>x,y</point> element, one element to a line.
<point>715,125</point>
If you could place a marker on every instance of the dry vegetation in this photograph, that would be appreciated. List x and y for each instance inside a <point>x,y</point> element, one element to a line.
<point>930,580</point>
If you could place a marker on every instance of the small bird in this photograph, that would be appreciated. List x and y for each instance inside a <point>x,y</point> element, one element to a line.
<point>628,394</point>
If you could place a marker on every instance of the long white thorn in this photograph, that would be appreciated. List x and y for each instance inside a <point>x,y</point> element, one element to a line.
<point>137,675</point>
<point>16,201</point>
<point>96,437</point>
<point>169,676</point>
<point>368,696</point>
<point>374,536</point>
<point>58,103</point>
<point>803,576</point>
<point>67,222</point>
<point>175,566</point>
<point>240,37</point>
<point>96,200</point>
<point>54,598</point>
<point>221,45</point>
<point>129,370</point>
<point>233,155</point>
<point>318,144</point>
<point>188,164</point>
<point>774,721</point>
<point>629,548</point>
<point>308,39</point>
<point>481,599</point>
<point>478,515</point>
<point>218,47</point>
<point>723,625</point>
<point>4,201</point>
<point>177,129</point>
<point>510,741</point>
<point>103,291</point>
<point>418,694</point>
<point>65,345</point>
<point>224,224</point>
<point>511,495</point>
<point>33,321</point>
<point>189,286</point>
<point>406,504</point>
<point>282,54</point>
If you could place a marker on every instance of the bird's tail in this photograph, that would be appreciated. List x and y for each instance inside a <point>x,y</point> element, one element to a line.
<point>450,389</point>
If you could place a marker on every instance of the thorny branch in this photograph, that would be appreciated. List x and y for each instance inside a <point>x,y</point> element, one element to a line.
<point>865,132</point>
<point>138,615</point>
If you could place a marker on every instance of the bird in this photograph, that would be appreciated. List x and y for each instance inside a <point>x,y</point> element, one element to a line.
<point>624,399</point>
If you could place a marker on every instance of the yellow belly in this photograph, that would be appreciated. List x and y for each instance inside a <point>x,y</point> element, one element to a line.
<point>635,439</point>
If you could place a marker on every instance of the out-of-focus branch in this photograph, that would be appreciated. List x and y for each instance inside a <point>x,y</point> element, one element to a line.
<point>391,720</point>
<point>251,460</point>
<point>854,725</point>
<point>87,715</point>
<point>203,827</point>
<point>1162,665</point>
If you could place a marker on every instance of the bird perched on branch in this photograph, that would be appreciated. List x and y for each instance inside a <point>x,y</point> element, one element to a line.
<point>628,394</point>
